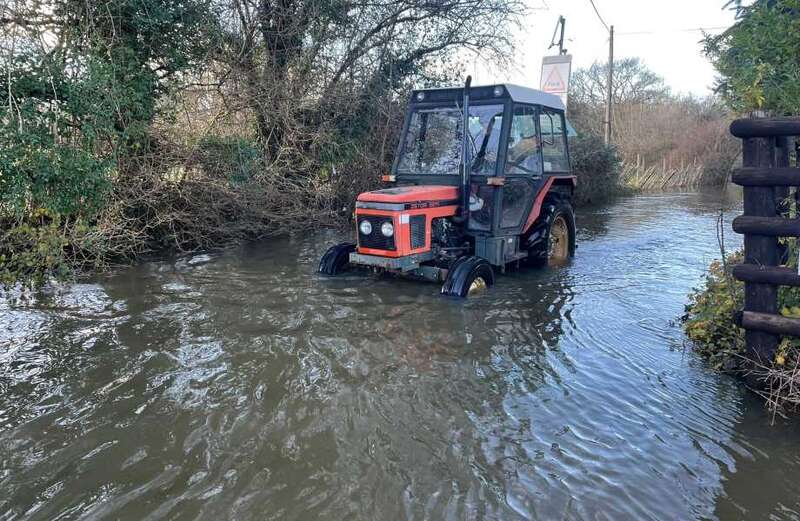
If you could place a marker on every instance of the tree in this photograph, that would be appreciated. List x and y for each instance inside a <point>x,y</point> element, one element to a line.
<point>634,82</point>
<point>651,125</point>
<point>634,85</point>
<point>286,108</point>
<point>758,58</point>
<point>310,64</point>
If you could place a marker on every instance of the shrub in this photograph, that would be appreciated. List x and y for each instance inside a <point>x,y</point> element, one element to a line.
<point>597,166</point>
<point>708,321</point>
<point>38,248</point>
<point>234,158</point>
<point>710,327</point>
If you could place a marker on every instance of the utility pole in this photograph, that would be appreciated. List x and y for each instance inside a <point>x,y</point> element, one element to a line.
<point>561,24</point>
<point>609,94</point>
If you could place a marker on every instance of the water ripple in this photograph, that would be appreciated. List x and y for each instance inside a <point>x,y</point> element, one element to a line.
<point>242,385</point>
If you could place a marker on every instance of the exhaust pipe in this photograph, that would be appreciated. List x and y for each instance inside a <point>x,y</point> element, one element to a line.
<point>465,153</point>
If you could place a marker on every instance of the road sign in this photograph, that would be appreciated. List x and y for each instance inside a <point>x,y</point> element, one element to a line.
<point>555,75</point>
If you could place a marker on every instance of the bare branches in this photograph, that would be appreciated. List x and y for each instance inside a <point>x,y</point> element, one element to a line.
<point>780,384</point>
<point>28,22</point>
<point>633,83</point>
<point>300,52</point>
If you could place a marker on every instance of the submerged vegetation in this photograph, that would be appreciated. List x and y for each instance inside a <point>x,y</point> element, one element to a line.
<point>710,313</point>
<point>597,166</point>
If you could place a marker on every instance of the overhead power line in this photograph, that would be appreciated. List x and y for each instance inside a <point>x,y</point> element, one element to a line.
<point>598,15</point>
<point>690,30</point>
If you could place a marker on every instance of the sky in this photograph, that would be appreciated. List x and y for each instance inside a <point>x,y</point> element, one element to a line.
<point>661,32</point>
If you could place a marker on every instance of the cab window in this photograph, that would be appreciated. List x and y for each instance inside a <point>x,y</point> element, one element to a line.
<point>523,146</point>
<point>433,142</point>
<point>554,145</point>
<point>485,123</point>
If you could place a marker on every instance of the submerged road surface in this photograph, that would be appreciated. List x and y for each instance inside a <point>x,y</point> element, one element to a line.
<point>243,386</point>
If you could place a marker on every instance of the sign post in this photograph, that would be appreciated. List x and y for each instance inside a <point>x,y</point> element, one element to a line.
<point>556,71</point>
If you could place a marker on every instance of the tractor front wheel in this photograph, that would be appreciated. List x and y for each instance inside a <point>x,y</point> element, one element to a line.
<point>468,276</point>
<point>336,259</point>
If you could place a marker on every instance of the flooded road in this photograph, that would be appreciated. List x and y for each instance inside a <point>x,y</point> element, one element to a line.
<point>241,385</point>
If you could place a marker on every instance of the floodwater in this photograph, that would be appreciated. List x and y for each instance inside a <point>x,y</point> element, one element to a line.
<point>240,385</point>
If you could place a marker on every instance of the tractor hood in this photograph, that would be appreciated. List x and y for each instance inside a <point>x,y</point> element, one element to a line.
<point>404,195</point>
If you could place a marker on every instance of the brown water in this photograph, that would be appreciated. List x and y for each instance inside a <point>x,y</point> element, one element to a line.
<point>241,385</point>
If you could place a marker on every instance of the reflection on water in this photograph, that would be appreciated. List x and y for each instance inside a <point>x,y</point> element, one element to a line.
<point>241,385</point>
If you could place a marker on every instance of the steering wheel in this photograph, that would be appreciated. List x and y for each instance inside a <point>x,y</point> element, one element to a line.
<point>483,164</point>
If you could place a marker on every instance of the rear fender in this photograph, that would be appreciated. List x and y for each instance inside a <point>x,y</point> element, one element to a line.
<point>562,184</point>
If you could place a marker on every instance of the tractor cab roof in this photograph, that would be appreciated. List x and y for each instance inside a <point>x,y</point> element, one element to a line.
<point>502,91</point>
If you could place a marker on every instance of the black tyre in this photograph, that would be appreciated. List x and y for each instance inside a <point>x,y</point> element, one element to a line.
<point>554,235</point>
<point>468,275</point>
<point>336,259</point>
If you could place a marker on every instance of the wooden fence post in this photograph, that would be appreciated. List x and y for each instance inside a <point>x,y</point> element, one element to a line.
<point>761,250</point>
<point>766,177</point>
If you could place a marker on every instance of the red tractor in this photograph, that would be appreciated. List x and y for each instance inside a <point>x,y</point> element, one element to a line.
<point>481,181</point>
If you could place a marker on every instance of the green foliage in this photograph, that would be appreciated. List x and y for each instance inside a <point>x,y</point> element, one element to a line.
<point>235,158</point>
<point>33,251</point>
<point>597,166</point>
<point>48,144</point>
<point>708,321</point>
<point>709,316</point>
<point>81,97</point>
<point>37,171</point>
<point>759,57</point>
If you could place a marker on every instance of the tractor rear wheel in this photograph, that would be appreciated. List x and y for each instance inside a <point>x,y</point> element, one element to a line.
<point>468,276</point>
<point>558,245</point>
<point>336,259</point>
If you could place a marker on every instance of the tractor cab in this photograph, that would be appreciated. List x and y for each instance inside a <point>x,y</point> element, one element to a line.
<point>481,180</point>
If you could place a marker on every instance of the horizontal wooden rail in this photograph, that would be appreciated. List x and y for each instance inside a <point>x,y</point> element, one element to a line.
<point>778,275</point>
<point>767,177</point>
<point>769,323</point>
<point>767,226</point>
<point>773,127</point>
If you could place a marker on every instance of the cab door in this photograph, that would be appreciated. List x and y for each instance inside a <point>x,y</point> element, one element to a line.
<point>522,169</point>
<point>555,156</point>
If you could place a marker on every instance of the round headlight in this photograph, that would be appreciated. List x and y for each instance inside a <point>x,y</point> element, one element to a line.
<point>387,229</point>
<point>498,91</point>
<point>420,96</point>
<point>365,227</point>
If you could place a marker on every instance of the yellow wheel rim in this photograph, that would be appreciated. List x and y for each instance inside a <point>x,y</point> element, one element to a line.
<point>559,241</point>
<point>478,286</point>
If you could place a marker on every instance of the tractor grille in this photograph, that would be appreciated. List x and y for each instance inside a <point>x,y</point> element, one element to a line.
<point>376,239</point>
<point>417,231</point>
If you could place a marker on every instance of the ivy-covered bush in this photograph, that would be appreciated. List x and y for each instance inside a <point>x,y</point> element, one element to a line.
<point>759,57</point>
<point>79,105</point>
<point>709,316</point>
<point>709,325</point>
<point>597,166</point>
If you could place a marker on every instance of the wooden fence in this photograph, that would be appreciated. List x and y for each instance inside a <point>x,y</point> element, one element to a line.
<point>770,212</point>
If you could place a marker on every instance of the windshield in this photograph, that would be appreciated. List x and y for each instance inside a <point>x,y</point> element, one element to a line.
<point>432,144</point>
